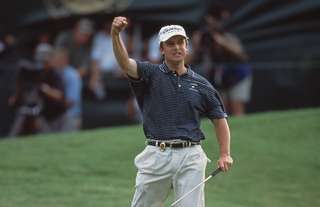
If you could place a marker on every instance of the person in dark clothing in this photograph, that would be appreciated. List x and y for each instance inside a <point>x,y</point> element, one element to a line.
<point>224,60</point>
<point>172,99</point>
<point>25,100</point>
<point>52,91</point>
<point>38,96</point>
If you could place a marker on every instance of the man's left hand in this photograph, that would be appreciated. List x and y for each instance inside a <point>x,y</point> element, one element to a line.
<point>225,162</point>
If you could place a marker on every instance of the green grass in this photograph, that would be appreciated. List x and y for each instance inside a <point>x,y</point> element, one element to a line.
<point>276,163</point>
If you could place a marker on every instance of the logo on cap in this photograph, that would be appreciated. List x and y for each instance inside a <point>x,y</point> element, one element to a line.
<point>169,31</point>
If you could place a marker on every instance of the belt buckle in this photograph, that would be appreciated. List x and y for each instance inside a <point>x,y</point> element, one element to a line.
<point>162,146</point>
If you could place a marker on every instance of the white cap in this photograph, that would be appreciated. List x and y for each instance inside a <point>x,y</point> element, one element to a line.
<point>169,31</point>
<point>43,52</point>
<point>86,26</point>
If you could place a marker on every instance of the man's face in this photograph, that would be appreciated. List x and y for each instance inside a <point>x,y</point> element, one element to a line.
<point>59,60</point>
<point>107,25</point>
<point>175,49</point>
<point>81,38</point>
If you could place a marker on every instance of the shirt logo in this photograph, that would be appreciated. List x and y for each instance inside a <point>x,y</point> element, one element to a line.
<point>193,87</point>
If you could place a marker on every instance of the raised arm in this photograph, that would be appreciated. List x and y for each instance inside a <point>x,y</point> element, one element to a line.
<point>232,45</point>
<point>120,52</point>
<point>223,137</point>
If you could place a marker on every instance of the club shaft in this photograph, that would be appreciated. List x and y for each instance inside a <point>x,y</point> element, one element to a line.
<point>191,190</point>
<point>213,174</point>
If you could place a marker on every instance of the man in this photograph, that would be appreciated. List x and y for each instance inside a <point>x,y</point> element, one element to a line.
<point>78,42</point>
<point>73,88</point>
<point>103,63</point>
<point>52,90</point>
<point>102,54</point>
<point>172,99</point>
<point>224,59</point>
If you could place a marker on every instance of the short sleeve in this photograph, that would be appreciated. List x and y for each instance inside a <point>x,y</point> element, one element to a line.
<point>215,108</point>
<point>145,71</point>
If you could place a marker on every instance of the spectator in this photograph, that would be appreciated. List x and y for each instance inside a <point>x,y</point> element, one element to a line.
<point>45,37</point>
<point>78,42</point>
<point>154,55</point>
<point>6,42</point>
<point>102,53</point>
<point>52,91</point>
<point>224,60</point>
<point>104,63</point>
<point>25,100</point>
<point>38,96</point>
<point>73,88</point>
<point>133,111</point>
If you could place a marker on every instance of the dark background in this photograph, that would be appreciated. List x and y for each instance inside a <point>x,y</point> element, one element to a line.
<point>281,38</point>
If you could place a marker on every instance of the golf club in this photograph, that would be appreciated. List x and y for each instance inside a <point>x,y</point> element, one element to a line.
<point>213,174</point>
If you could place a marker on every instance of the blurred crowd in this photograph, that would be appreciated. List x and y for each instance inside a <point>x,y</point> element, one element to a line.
<point>47,95</point>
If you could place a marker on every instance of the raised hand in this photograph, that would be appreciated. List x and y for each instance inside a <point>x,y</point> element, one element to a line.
<point>118,24</point>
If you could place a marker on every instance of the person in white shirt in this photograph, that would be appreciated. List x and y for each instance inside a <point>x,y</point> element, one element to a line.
<point>103,61</point>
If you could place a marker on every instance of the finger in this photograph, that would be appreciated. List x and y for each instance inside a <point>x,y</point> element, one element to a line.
<point>227,166</point>
<point>124,20</point>
<point>221,165</point>
<point>120,24</point>
<point>117,21</point>
<point>121,20</point>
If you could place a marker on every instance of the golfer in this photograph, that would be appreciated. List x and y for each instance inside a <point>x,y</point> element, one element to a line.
<point>172,99</point>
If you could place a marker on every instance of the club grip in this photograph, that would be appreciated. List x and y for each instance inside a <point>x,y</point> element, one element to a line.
<point>216,172</point>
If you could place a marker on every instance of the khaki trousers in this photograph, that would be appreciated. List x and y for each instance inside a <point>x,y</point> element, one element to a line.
<point>180,169</point>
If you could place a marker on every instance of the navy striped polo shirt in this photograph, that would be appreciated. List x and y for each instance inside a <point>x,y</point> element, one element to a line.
<point>172,105</point>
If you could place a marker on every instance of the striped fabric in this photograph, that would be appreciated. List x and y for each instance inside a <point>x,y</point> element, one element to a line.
<point>172,105</point>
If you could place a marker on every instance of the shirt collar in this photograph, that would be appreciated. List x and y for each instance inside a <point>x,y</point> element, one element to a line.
<point>165,69</point>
